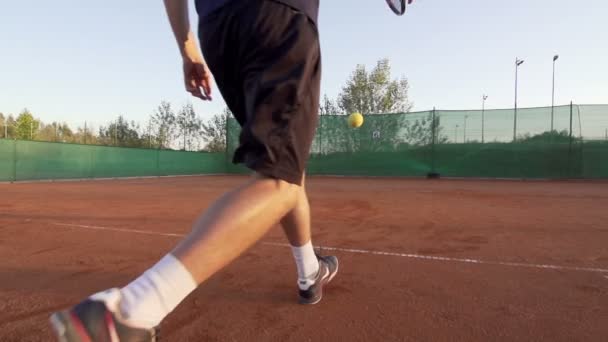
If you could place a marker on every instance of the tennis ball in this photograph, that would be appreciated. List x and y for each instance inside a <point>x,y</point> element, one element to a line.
<point>355,120</point>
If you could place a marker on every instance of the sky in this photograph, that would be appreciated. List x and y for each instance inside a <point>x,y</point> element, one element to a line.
<point>76,61</point>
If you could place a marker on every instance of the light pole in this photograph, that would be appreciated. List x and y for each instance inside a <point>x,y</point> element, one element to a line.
<point>553,91</point>
<point>518,62</point>
<point>456,134</point>
<point>483,123</point>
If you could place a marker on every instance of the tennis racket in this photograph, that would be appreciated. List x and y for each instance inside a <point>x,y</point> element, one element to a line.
<point>398,6</point>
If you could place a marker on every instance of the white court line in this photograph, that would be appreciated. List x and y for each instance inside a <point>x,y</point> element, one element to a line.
<point>364,251</point>
<point>124,230</point>
<point>69,180</point>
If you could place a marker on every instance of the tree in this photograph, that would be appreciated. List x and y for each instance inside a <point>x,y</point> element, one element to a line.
<point>10,126</point>
<point>164,122</point>
<point>26,125</point>
<point>419,132</point>
<point>329,107</point>
<point>3,126</point>
<point>47,132</point>
<point>375,92</point>
<point>214,132</point>
<point>55,131</point>
<point>147,135</point>
<point>548,136</point>
<point>189,125</point>
<point>83,135</point>
<point>121,133</point>
<point>330,131</point>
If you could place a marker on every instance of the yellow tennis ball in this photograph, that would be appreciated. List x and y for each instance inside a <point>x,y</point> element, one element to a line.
<point>355,120</point>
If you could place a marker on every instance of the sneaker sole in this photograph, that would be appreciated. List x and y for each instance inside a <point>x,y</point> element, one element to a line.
<point>331,276</point>
<point>63,328</point>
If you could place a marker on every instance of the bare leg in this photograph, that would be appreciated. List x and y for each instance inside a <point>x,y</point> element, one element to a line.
<point>296,224</point>
<point>233,223</point>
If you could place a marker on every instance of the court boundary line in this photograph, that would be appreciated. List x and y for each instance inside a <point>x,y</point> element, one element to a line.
<point>366,251</point>
<point>69,180</point>
<point>453,178</point>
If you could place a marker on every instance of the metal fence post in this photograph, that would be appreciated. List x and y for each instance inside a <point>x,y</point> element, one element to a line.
<point>92,159</point>
<point>434,137</point>
<point>227,136</point>
<point>158,171</point>
<point>320,135</point>
<point>14,160</point>
<point>570,145</point>
<point>581,161</point>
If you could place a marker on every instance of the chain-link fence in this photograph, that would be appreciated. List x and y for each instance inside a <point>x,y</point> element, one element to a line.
<point>561,142</point>
<point>27,160</point>
<point>471,143</point>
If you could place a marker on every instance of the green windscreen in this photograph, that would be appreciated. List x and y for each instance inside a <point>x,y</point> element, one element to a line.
<point>560,142</point>
<point>31,160</point>
<point>385,145</point>
<point>594,149</point>
<point>40,160</point>
<point>503,143</point>
<point>123,162</point>
<point>7,160</point>
<point>190,163</point>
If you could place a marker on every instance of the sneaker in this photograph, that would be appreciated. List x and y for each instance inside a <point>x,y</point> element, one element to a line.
<point>95,320</point>
<point>328,267</point>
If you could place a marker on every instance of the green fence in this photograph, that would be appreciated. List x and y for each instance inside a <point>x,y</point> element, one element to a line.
<point>472,143</point>
<point>30,160</point>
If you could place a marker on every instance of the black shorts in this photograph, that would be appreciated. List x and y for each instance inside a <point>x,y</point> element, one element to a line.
<point>265,58</point>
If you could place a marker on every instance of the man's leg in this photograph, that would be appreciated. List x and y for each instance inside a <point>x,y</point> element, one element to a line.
<point>296,225</point>
<point>313,271</point>
<point>231,225</point>
<point>279,113</point>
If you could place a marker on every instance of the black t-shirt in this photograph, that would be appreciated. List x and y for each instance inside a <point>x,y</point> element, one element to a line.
<point>310,7</point>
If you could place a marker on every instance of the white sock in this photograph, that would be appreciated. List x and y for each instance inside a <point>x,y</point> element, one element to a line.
<point>147,300</point>
<point>307,263</point>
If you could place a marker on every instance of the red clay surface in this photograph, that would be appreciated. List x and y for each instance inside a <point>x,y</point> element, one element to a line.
<point>46,266</point>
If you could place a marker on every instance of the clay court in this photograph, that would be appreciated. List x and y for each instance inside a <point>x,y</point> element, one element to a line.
<point>421,260</point>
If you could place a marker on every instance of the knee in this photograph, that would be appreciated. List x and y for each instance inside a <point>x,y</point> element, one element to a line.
<point>279,184</point>
<point>259,176</point>
<point>286,188</point>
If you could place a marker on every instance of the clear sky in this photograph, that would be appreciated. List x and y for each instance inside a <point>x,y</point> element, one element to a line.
<point>73,61</point>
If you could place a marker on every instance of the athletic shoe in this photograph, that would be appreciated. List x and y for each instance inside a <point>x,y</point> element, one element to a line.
<point>97,320</point>
<point>328,267</point>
